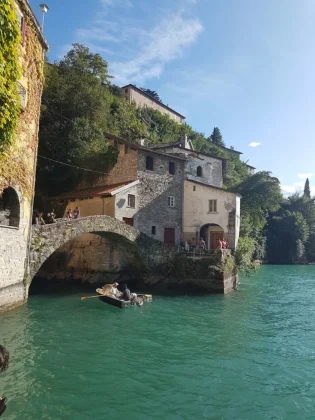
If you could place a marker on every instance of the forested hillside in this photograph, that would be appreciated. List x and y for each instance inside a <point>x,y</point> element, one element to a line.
<point>81,102</point>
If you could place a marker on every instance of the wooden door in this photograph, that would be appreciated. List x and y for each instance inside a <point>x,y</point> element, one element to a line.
<point>128,221</point>
<point>169,236</point>
<point>215,236</point>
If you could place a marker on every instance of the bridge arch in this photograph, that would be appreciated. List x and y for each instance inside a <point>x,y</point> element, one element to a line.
<point>47,239</point>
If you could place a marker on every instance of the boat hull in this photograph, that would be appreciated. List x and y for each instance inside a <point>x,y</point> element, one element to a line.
<point>115,302</point>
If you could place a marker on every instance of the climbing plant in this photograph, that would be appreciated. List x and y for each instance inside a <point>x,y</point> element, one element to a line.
<point>10,38</point>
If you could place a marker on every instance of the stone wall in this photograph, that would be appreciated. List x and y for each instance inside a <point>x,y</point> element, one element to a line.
<point>204,275</point>
<point>17,168</point>
<point>211,170</point>
<point>89,258</point>
<point>153,191</point>
<point>125,169</point>
<point>50,238</point>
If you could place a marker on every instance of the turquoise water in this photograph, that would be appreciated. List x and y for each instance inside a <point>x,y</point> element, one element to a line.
<point>246,355</point>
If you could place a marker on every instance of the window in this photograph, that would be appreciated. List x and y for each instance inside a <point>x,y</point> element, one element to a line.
<point>171,168</point>
<point>194,188</point>
<point>126,148</point>
<point>149,163</point>
<point>126,90</point>
<point>171,201</point>
<point>199,171</point>
<point>212,206</point>
<point>153,230</point>
<point>131,201</point>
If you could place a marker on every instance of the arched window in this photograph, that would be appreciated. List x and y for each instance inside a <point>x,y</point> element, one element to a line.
<point>9,208</point>
<point>199,171</point>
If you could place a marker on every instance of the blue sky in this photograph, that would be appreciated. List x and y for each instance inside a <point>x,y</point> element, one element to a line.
<point>246,66</point>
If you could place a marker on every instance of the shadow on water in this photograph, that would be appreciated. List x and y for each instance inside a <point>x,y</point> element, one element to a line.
<point>65,287</point>
<point>41,286</point>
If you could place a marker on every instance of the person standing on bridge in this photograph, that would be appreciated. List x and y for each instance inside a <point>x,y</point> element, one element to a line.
<point>76,213</point>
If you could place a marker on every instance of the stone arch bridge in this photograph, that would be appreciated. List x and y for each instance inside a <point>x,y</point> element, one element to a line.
<point>47,239</point>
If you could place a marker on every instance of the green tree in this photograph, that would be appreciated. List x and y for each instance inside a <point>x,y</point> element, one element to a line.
<point>261,194</point>
<point>287,233</point>
<point>76,111</point>
<point>216,137</point>
<point>126,123</point>
<point>307,191</point>
<point>244,254</point>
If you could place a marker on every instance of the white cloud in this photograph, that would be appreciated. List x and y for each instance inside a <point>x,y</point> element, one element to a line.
<point>144,47</point>
<point>164,43</point>
<point>304,176</point>
<point>254,144</point>
<point>296,187</point>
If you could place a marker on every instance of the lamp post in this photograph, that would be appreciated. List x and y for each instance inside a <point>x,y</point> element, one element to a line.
<point>44,9</point>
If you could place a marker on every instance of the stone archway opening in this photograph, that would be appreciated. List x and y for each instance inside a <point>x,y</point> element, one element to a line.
<point>211,233</point>
<point>9,208</point>
<point>86,262</point>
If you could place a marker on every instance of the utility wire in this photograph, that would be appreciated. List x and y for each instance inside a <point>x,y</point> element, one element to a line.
<point>72,166</point>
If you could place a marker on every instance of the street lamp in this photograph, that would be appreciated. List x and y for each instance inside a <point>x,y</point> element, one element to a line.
<point>44,9</point>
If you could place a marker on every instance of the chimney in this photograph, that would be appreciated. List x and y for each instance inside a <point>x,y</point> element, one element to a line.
<point>184,141</point>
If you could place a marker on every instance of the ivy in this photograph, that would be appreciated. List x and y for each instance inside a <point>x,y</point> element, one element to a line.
<point>10,38</point>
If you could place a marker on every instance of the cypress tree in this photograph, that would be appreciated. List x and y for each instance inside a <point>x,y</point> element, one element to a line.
<point>216,137</point>
<point>307,191</point>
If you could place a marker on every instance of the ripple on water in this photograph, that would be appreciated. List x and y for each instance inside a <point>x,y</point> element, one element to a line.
<point>247,355</point>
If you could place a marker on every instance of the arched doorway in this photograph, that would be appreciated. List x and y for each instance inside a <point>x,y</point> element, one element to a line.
<point>211,233</point>
<point>9,208</point>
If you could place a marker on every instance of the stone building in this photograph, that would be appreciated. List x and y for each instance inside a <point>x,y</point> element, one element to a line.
<point>18,165</point>
<point>142,99</point>
<point>144,189</point>
<point>209,211</point>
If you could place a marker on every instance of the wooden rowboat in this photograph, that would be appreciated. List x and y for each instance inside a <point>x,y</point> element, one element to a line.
<point>120,303</point>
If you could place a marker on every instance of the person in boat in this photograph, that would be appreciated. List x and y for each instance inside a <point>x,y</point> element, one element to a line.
<point>111,290</point>
<point>130,296</point>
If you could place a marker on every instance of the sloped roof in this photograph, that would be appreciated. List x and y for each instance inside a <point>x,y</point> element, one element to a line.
<point>104,190</point>
<point>153,99</point>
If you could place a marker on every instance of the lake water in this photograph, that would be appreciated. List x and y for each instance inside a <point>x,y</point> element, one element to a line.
<point>247,355</point>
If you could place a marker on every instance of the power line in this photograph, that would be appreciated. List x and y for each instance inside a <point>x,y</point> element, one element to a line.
<point>72,166</point>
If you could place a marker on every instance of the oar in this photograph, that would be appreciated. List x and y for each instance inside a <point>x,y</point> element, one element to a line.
<point>90,297</point>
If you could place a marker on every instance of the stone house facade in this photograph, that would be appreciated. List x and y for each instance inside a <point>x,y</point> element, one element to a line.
<point>141,99</point>
<point>147,192</point>
<point>18,166</point>
<point>209,211</point>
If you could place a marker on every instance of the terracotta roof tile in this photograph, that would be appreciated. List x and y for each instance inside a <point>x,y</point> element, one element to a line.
<point>92,191</point>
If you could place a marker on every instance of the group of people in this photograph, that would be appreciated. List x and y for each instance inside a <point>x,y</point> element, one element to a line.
<point>112,291</point>
<point>191,246</point>
<point>75,214</point>
<point>39,219</point>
